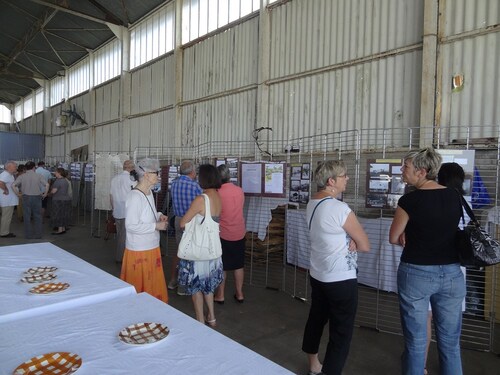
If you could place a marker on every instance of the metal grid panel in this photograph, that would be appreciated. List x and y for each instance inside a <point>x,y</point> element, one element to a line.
<point>268,262</point>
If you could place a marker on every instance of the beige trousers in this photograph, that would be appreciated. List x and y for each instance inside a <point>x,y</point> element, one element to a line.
<point>6,219</point>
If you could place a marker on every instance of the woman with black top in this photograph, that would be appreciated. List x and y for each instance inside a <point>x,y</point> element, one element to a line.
<point>425,223</point>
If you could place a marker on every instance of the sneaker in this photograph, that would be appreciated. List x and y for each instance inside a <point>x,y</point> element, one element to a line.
<point>181,290</point>
<point>172,284</point>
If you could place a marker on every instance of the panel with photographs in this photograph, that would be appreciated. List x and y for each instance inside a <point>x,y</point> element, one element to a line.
<point>75,171</point>
<point>263,179</point>
<point>232,164</point>
<point>173,173</point>
<point>384,184</point>
<point>300,183</point>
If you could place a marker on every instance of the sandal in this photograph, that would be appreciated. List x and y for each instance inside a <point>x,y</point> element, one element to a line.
<point>211,323</point>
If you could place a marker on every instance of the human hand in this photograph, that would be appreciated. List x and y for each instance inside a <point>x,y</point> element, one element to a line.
<point>6,192</point>
<point>402,239</point>
<point>352,245</point>
<point>163,218</point>
<point>161,225</point>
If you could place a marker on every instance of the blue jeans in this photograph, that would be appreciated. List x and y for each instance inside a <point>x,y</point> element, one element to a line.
<point>444,287</point>
<point>32,205</point>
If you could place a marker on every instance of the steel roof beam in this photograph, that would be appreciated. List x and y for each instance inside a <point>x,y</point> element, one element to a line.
<point>73,12</point>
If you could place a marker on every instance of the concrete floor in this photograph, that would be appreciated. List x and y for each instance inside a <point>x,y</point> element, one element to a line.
<point>269,322</point>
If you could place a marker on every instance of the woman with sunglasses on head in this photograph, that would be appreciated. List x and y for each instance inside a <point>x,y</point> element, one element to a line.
<point>336,235</point>
<point>425,223</point>
<point>142,265</point>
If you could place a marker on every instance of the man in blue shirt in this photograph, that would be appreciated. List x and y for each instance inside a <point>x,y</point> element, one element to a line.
<point>184,189</point>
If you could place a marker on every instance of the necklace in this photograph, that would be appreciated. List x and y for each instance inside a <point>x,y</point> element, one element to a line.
<point>425,183</point>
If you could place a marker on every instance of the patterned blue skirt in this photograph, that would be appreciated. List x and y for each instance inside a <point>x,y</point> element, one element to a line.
<point>200,275</point>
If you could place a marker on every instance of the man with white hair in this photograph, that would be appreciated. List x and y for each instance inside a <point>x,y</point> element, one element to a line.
<point>121,185</point>
<point>8,198</point>
<point>184,189</point>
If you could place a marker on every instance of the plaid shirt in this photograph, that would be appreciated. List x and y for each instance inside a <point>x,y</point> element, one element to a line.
<point>183,190</point>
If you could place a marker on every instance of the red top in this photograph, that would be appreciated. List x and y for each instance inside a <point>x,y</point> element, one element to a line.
<point>231,221</point>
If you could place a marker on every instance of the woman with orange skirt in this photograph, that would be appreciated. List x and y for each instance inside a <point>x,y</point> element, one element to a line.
<point>142,266</point>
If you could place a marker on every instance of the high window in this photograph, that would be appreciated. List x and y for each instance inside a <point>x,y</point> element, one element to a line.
<point>152,37</point>
<point>78,77</point>
<point>107,62</point>
<point>200,17</point>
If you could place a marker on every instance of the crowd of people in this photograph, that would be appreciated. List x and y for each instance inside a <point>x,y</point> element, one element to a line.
<point>29,187</point>
<point>429,277</point>
<point>139,224</point>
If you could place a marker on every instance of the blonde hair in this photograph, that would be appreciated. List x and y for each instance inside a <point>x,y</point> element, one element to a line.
<point>328,169</point>
<point>426,158</point>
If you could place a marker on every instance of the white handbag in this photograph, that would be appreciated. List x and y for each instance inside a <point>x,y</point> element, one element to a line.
<point>200,240</point>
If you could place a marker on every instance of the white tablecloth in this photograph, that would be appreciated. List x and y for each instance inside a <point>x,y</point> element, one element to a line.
<point>88,284</point>
<point>377,268</point>
<point>91,332</point>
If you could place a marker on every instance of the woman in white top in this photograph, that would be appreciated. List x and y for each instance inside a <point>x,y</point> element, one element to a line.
<point>335,235</point>
<point>142,265</point>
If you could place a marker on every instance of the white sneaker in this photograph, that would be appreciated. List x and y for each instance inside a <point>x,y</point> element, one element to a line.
<point>181,290</point>
<point>172,284</point>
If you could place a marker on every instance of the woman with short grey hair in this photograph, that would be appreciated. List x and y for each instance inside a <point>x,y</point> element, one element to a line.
<point>335,235</point>
<point>142,265</point>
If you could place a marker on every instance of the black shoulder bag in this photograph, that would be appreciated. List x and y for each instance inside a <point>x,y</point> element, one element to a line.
<point>475,246</point>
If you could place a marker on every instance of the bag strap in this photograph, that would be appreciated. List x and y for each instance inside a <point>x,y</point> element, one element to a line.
<point>467,208</point>
<point>207,208</point>
<point>154,213</point>
<point>314,211</point>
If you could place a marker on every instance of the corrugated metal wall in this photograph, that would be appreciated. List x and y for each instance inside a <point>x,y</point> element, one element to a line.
<point>469,45</point>
<point>308,35</point>
<point>342,65</point>
<point>334,65</point>
<point>221,63</point>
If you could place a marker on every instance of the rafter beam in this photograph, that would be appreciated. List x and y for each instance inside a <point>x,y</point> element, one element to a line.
<point>66,40</point>
<point>20,10</point>
<point>27,38</point>
<point>42,58</point>
<point>24,76</point>
<point>63,63</point>
<point>110,17</point>
<point>73,12</point>
<point>16,83</point>
<point>6,58</point>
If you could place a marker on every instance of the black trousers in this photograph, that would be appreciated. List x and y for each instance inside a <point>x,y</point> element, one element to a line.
<point>335,303</point>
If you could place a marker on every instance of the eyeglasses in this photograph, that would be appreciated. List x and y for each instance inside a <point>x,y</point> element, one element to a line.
<point>155,172</point>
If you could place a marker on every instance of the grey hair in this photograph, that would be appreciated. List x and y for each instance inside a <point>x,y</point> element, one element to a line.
<point>326,170</point>
<point>147,165</point>
<point>187,166</point>
<point>225,175</point>
<point>426,158</point>
<point>9,163</point>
